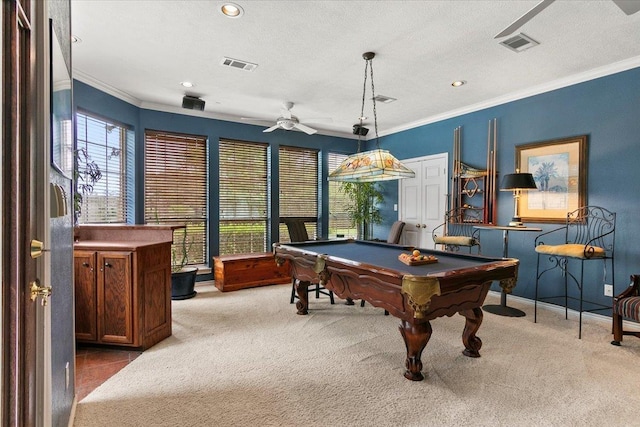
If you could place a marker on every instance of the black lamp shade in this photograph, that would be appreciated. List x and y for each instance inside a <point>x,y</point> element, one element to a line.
<point>518,181</point>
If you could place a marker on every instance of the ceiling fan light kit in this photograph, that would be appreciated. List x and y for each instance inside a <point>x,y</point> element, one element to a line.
<point>373,165</point>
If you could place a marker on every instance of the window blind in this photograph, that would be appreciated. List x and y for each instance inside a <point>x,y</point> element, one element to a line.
<point>243,197</point>
<point>339,222</point>
<point>298,187</point>
<point>175,188</point>
<point>102,144</point>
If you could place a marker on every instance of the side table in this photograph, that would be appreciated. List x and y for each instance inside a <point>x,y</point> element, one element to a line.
<point>503,309</point>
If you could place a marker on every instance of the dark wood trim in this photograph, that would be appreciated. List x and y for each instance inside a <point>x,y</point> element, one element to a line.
<point>19,332</point>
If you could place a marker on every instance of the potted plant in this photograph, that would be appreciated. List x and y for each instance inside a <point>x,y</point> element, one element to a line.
<point>363,211</point>
<point>183,278</point>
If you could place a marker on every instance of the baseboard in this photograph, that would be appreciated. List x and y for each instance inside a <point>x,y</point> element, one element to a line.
<point>601,318</point>
<point>72,415</point>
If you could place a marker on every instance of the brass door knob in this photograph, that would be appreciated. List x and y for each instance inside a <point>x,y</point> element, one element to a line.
<point>42,291</point>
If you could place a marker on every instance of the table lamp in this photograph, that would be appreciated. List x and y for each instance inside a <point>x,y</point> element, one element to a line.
<point>517,182</point>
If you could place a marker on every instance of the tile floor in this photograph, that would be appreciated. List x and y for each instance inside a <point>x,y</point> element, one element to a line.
<point>95,365</point>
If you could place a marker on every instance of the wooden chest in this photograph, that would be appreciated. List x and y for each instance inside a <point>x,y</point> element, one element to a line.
<point>240,271</point>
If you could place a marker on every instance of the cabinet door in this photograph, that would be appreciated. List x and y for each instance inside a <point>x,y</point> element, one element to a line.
<point>86,295</point>
<point>115,298</point>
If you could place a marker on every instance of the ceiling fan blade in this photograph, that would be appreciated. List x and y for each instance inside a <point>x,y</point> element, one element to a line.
<point>524,18</point>
<point>628,6</point>
<point>272,128</point>
<point>305,129</point>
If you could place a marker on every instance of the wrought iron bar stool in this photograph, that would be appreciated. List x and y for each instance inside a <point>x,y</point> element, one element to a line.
<point>587,236</point>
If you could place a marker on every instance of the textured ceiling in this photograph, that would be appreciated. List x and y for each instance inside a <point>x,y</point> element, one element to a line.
<point>310,53</point>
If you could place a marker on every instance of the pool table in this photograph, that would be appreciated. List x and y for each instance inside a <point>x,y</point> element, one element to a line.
<point>416,294</point>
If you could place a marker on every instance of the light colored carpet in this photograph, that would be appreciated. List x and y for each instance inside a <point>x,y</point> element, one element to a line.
<point>245,358</point>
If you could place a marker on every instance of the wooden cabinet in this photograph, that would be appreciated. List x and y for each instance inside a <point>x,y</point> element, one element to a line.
<point>122,293</point>
<point>86,295</point>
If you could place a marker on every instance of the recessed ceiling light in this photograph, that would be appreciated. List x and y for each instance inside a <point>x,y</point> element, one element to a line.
<point>458,83</point>
<point>187,84</point>
<point>76,39</point>
<point>231,10</point>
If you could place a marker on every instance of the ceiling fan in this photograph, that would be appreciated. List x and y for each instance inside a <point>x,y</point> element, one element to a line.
<point>288,121</point>
<point>627,6</point>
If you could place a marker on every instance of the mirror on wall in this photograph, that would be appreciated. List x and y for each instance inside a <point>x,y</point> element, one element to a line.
<point>61,109</point>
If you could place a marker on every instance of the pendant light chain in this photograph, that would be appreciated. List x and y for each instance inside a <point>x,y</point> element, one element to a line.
<point>373,97</point>
<point>364,92</point>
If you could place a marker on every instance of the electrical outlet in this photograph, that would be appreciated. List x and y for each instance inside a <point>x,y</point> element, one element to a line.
<point>608,290</point>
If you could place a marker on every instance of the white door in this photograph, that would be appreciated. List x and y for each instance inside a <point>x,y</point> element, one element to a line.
<point>423,199</point>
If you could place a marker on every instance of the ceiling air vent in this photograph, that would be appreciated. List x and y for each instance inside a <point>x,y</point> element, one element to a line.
<point>384,99</point>
<point>236,63</point>
<point>519,43</point>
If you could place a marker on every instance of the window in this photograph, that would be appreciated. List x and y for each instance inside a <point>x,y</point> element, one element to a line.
<point>101,145</point>
<point>339,222</point>
<point>243,197</point>
<point>299,188</point>
<point>175,188</point>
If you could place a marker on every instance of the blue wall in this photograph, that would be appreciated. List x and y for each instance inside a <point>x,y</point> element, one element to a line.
<point>605,109</point>
<point>97,102</point>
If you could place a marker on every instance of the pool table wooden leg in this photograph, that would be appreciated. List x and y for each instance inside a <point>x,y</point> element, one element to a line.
<point>303,296</point>
<point>471,342</point>
<point>416,337</point>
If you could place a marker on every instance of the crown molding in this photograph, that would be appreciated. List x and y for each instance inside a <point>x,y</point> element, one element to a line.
<point>224,117</point>
<point>97,84</point>
<point>616,67</point>
<point>124,96</point>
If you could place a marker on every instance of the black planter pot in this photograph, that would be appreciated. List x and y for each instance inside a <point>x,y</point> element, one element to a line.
<point>182,284</point>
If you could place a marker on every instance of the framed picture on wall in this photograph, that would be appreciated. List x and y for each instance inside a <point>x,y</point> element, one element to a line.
<point>559,168</point>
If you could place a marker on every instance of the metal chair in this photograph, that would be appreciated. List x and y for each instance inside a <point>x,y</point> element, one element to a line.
<point>298,233</point>
<point>626,305</point>
<point>588,235</point>
<point>457,230</point>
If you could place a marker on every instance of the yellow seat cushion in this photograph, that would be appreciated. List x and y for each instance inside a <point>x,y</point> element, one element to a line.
<point>572,250</point>
<point>455,240</point>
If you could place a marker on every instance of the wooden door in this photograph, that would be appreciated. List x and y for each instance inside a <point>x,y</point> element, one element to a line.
<point>86,295</point>
<point>20,347</point>
<point>115,297</point>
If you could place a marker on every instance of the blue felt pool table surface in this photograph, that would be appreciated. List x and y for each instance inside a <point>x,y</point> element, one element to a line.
<point>386,256</point>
